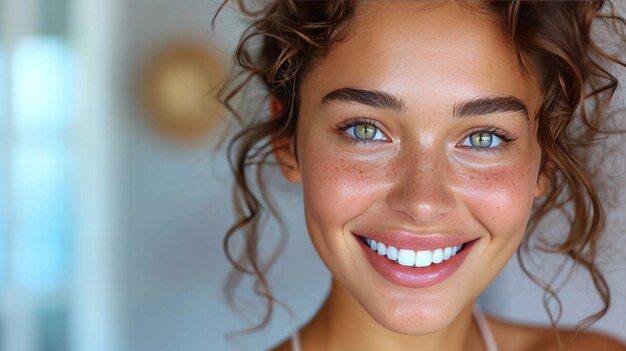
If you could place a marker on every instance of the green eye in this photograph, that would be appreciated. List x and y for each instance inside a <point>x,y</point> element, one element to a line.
<point>361,130</point>
<point>482,139</point>
<point>365,131</point>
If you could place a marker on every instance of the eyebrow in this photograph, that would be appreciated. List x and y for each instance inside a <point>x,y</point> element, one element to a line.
<point>374,98</point>
<point>488,105</point>
<point>380,99</point>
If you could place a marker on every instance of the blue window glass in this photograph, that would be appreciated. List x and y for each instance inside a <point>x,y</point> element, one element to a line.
<point>41,175</point>
<point>37,102</point>
<point>4,134</point>
<point>42,86</point>
<point>42,203</point>
<point>3,80</point>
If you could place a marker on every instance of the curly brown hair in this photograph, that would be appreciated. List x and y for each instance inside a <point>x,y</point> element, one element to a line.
<point>577,90</point>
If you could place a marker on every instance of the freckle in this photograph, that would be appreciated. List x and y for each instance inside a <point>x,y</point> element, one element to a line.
<point>387,172</point>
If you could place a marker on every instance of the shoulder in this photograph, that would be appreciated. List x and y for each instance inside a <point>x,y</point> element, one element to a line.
<point>593,341</point>
<point>519,337</point>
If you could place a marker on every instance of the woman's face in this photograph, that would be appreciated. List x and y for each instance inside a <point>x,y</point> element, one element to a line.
<point>417,132</point>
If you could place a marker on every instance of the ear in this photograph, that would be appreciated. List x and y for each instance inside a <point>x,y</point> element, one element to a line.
<point>284,148</point>
<point>545,176</point>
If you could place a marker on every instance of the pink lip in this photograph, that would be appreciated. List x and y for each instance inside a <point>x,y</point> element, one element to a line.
<point>415,277</point>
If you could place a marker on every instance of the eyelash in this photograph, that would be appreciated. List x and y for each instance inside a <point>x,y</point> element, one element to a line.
<point>503,135</point>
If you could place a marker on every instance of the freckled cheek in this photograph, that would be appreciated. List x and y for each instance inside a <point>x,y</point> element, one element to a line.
<point>500,198</point>
<point>339,188</point>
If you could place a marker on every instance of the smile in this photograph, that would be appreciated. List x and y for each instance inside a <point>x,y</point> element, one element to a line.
<point>415,261</point>
<point>412,258</point>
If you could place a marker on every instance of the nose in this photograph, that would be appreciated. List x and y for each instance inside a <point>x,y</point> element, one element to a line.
<point>421,186</point>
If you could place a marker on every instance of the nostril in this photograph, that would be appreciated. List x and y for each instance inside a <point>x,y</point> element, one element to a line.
<point>422,202</point>
<point>424,214</point>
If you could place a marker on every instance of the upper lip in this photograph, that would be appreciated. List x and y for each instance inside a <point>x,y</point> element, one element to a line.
<point>412,241</point>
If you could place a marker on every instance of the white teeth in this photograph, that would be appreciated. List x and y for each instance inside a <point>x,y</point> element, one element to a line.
<point>406,257</point>
<point>392,253</point>
<point>382,249</point>
<point>420,258</point>
<point>423,258</point>
<point>438,256</point>
<point>447,252</point>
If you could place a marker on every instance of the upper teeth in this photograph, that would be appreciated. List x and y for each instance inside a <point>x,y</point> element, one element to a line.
<point>419,258</point>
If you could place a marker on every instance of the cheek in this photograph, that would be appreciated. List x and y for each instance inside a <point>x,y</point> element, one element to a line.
<point>499,198</point>
<point>338,188</point>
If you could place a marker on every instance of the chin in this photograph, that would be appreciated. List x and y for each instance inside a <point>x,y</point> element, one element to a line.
<point>415,323</point>
<point>417,318</point>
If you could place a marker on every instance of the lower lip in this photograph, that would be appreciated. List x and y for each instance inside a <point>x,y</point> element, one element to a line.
<point>415,277</point>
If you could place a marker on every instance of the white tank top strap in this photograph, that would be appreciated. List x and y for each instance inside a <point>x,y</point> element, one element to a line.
<point>479,316</point>
<point>485,330</point>
<point>295,341</point>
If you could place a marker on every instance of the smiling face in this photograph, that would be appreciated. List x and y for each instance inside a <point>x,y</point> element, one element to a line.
<point>417,131</point>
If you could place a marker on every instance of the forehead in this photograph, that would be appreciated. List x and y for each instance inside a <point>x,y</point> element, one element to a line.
<point>424,52</point>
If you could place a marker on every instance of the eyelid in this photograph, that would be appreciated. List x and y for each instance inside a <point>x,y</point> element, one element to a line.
<point>343,125</point>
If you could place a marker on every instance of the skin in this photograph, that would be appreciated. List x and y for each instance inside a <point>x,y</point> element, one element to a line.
<point>419,176</point>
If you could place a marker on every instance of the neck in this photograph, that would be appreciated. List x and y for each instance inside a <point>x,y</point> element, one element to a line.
<point>343,324</point>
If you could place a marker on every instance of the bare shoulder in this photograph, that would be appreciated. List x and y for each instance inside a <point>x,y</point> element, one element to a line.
<point>520,337</point>
<point>595,341</point>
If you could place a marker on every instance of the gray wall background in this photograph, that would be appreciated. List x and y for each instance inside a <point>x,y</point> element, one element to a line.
<point>174,207</point>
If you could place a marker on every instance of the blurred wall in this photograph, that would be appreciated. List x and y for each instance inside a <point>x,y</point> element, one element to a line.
<point>175,204</point>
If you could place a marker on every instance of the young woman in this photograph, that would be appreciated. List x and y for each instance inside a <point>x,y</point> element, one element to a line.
<point>429,139</point>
